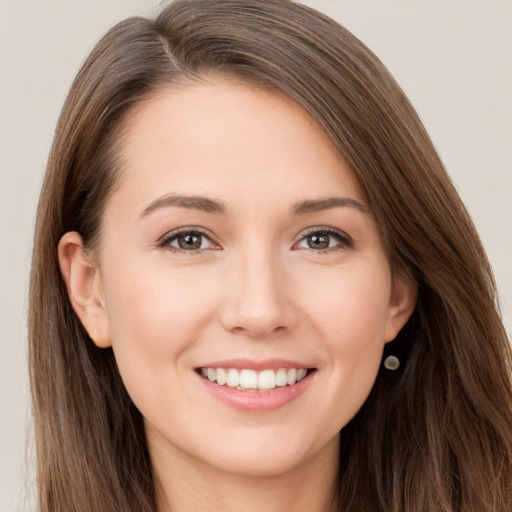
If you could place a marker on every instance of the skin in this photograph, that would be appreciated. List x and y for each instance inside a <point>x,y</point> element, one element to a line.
<point>257,288</point>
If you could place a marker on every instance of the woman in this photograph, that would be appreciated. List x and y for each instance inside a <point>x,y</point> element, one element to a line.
<point>254,284</point>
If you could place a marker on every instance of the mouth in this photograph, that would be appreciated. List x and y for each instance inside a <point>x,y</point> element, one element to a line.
<point>246,379</point>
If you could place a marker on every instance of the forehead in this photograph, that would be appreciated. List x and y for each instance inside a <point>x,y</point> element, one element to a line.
<point>226,138</point>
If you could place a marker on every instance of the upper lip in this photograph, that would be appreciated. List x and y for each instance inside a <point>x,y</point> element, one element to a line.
<point>265,364</point>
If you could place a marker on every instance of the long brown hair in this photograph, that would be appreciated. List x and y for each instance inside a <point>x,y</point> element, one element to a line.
<point>434,436</point>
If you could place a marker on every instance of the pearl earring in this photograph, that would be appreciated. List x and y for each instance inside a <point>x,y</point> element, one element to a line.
<point>391,363</point>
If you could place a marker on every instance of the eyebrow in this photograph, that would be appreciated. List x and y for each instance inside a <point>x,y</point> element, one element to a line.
<point>316,205</point>
<point>215,206</point>
<point>182,201</point>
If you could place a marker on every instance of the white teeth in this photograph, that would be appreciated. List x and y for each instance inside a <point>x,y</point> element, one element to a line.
<point>221,376</point>
<point>233,379</point>
<point>267,379</point>
<point>292,376</point>
<point>281,377</point>
<point>250,379</point>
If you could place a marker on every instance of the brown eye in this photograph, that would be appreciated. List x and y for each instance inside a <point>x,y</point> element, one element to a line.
<point>318,240</point>
<point>192,241</point>
<point>324,240</point>
<point>188,241</point>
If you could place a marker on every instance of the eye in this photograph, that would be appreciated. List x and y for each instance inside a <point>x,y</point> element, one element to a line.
<point>324,239</point>
<point>188,241</point>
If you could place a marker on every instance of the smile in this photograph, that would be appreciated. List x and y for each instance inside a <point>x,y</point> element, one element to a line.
<point>252,380</point>
<point>256,386</point>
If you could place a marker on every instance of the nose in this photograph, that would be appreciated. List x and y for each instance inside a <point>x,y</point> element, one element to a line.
<point>260,298</point>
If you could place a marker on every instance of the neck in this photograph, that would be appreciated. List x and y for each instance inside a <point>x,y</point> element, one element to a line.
<point>184,484</point>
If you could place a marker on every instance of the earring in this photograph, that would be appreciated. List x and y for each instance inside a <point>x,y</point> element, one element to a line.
<point>391,363</point>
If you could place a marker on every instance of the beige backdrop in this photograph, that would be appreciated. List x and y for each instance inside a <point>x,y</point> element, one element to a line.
<point>453,58</point>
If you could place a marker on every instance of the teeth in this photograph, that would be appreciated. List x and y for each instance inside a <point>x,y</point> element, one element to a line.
<point>233,380</point>
<point>300,374</point>
<point>267,379</point>
<point>281,377</point>
<point>221,376</point>
<point>250,379</point>
<point>291,377</point>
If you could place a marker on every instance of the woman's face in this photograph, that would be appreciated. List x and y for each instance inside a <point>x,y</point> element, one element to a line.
<point>238,252</point>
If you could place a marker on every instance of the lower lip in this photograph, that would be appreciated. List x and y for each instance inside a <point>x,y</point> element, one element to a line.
<point>257,401</point>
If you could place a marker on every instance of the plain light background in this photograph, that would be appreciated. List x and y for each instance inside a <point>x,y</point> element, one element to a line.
<point>452,57</point>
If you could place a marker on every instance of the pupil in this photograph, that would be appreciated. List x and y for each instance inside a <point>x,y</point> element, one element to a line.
<point>318,241</point>
<point>189,241</point>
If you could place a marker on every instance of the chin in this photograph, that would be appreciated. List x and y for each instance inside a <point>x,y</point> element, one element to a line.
<point>269,457</point>
<point>257,465</point>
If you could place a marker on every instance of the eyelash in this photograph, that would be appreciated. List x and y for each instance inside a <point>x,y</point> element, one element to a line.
<point>344,241</point>
<point>165,242</point>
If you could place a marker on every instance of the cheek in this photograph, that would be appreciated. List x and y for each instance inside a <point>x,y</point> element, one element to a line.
<point>149,304</point>
<point>352,309</point>
<point>350,313</point>
<point>153,321</point>
<point>154,318</point>
<point>353,324</point>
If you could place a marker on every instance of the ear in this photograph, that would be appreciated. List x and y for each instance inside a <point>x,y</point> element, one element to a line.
<point>85,288</point>
<point>404,294</point>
